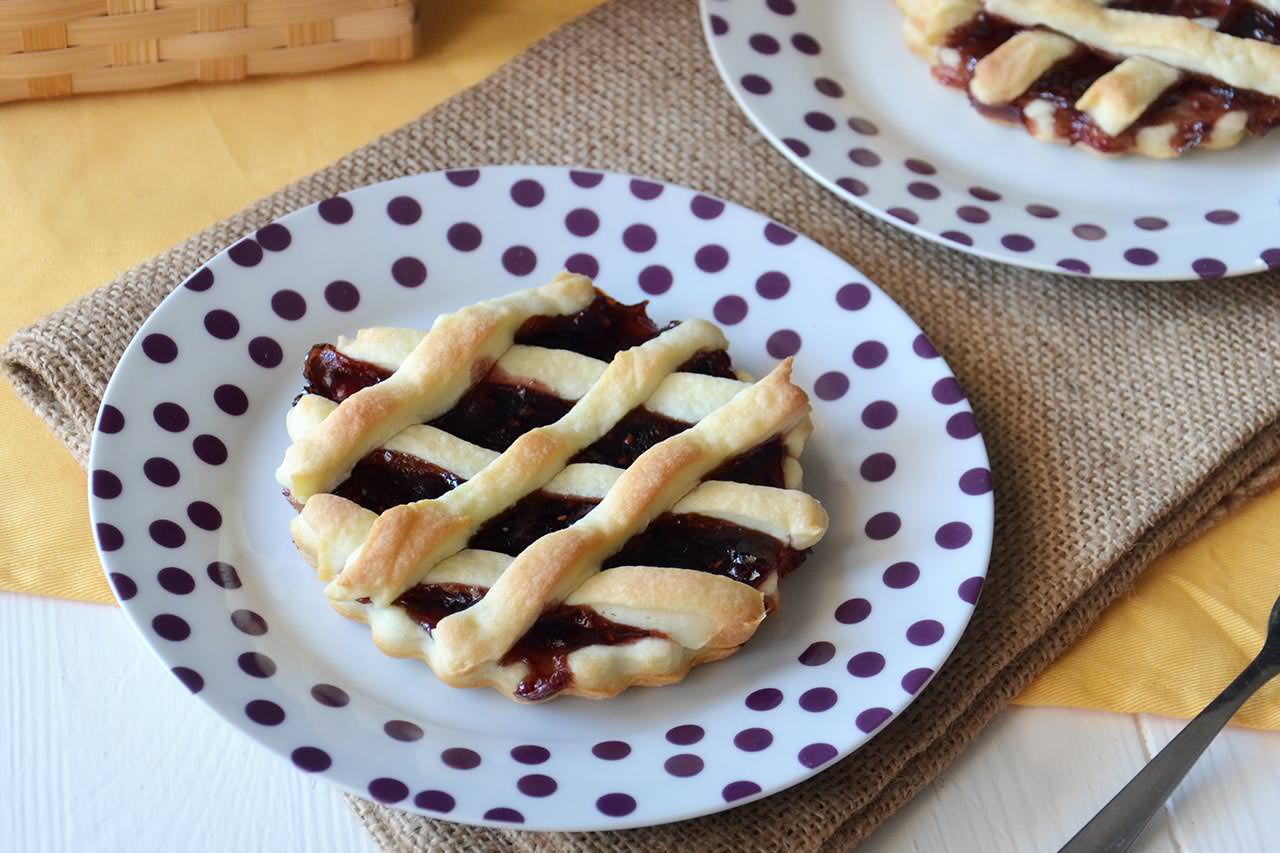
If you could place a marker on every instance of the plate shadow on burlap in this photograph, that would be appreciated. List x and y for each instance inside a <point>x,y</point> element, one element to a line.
<point>1121,417</point>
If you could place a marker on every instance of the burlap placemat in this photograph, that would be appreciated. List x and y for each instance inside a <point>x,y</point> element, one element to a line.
<point>1119,415</point>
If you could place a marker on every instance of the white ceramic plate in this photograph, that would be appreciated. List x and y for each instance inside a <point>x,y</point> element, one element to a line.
<point>833,86</point>
<point>194,531</point>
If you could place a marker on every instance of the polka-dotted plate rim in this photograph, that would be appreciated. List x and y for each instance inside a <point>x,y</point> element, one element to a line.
<point>192,530</point>
<point>823,83</point>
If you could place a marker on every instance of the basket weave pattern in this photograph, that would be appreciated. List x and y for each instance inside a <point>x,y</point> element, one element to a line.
<point>61,47</point>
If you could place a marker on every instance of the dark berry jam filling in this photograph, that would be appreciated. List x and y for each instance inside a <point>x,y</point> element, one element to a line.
<point>337,376</point>
<point>387,478</point>
<point>704,544</point>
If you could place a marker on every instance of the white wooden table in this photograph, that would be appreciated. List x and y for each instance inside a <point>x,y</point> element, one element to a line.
<point>101,749</point>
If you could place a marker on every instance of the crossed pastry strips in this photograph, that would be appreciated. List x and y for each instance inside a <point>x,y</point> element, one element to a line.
<point>543,618</point>
<point>1153,76</point>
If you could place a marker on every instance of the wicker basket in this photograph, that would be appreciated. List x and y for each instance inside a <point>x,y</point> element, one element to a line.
<point>62,47</point>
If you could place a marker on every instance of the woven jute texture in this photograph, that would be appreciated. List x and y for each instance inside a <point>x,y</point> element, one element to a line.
<point>1120,416</point>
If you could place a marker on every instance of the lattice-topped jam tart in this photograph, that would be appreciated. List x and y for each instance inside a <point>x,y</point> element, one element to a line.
<point>1156,77</point>
<point>548,494</point>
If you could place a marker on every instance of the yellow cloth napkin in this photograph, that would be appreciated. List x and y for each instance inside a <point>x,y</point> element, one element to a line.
<point>112,180</point>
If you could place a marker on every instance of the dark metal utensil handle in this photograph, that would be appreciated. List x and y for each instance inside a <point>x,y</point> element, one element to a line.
<point>1121,821</point>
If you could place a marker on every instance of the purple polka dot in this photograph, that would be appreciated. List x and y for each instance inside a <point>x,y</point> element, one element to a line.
<point>953,534</point>
<point>274,237</point>
<point>581,222</point>
<point>905,214</point>
<point>342,295</point>
<point>711,258</point>
<point>923,347</point>
<point>706,207</point>
<point>436,801</point>
<point>719,26</point>
<point>1089,231</point>
<point>123,585</point>
<point>852,611</point>
<point>820,122</point>
<point>1222,217</point>
<point>852,186</point>
<point>536,785</point>
<point>753,740</point>
<point>870,354</point>
<point>796,146</point>
<point>817,653</point>
<point>806,44</point>
<point>231,399</point>
<point>827,86</point>
<point>1017,242</point>
<point>686,734</point>
<point>223,574</point>
<point>246,253</point>
<point>915,680</point>
<point>402,730</point>
<point>1141,257</point>
<point>777,235</point>
<point>170,627</point>
<point>773,285</point>
<point>404,210</point>
<point>105,484</point>
<point>583,264</point>
<point>877,467</point>
<point>783,343</point>
<point>110,419</point>
<point>683,765</point>
<point>781,7</point>
<point>1209,267</point>
<point>265,352</point>
<point>864,157</point>
<point>611,750</point>
<point>1074,265</point>
<point>926,632</point>
<point>816,754</point>
<point>527,193</point>
<point>865,664</point>
<point>336,210</point>
<point>311,759</point>
<point>762,43</point>
<point>330,695</point>
<point>1042,211</point>
<point>756,85</point>
<point>166,533</point>
<point>387,790</point>
<point>975,481</point>
<point>409,272</point>
<point>984,194</point>
<point>586,180</point>
<point>853,297</point>
<point>257,665</point>
<point>764,699</point>
<point>530,753</point>
<point>519,260</point>
<point>920,167</point>
<point>882,525</point>
<point>171,417</point>
<point>616,805</point>
<point>879,415</point>
<point>201,279</point>
<point>972,214</point>
<point>505,815</point>
<point>1270,257</point>
<point>109,536</point>
<point>175,581</point>
<point>288,304</point>
<point>962,425</point>
<point>831,385</point>
<point>464,237</point>
<point>817,699</point>
<point>863,126</point>
<point>249,623</point>
<point>190,679</point>
<point>655,280</point>
<point>462,177</point>
<point>901,575</point>
<point>639,238</point>
<point>221,324</point>
<point>872,719</point>
<point>1151,223</point>
<point>730,310</point>
<point>160,348</point>
<point>923,190</point>
<point>739,790</point>
<point>204,515</point>
<point>947,391</point>
<point>957,237</point>
<point>460,758</point>
<point>969,589</point>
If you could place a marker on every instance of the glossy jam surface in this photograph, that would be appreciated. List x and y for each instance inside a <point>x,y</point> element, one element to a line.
<point>387,478</point>
<point>704,544</point>
<point>1192,106</point>
<point>336,376</point>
